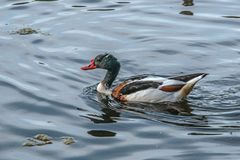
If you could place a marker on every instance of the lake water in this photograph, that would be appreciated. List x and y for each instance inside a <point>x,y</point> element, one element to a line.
<point>42,89</point>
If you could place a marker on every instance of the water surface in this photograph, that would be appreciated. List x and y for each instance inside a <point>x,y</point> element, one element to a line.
<point>43,90</point>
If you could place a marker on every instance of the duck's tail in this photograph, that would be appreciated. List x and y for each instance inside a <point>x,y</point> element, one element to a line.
<point>187,88</point>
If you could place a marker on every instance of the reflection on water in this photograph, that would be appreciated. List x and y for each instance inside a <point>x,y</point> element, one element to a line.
<point>109,113</point>
<point>178,108</point>
<point>107,116</point>
<point>112,110</point>
<point>46,0</point>
<point>101,9</point>
<point>231,16</point>
<point>41,84</point>
<point>20,3</point>
<point>80,6</point>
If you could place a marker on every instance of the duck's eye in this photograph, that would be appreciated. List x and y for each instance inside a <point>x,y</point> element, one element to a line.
<point>98,60</point>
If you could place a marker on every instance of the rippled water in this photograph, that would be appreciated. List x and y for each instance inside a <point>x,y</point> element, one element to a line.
<point>43,90</point>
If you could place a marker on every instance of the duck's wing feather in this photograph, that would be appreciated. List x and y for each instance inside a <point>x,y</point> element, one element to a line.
<point>127,88</point>
<point>136,78</point>
<point>186,78</point>
<point>138,86</point>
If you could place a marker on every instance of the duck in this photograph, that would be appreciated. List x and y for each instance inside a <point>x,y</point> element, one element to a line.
<point>142,88</point>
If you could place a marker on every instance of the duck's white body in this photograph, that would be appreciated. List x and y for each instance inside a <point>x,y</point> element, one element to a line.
<point>101,88</point>
<point>169,89</point>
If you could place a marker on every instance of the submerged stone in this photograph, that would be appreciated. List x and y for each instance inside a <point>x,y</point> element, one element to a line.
<point>43,137</point>
<point>188,13</point>
<point>68,140</point>
<point>38,140</point>
<point>28,144</point>
<point>188,3</point>
<point>25,31</point>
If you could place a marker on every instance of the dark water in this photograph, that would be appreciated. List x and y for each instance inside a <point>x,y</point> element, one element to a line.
<point>43,90</point>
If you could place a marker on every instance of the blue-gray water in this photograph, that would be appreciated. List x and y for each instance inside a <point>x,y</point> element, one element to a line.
<point>42,89</point>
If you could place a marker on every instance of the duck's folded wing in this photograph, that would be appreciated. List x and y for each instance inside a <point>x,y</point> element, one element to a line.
<point>126,88</point>
<point>136,78</point>
<point>138,86</point>
<point>171,85</point>
<point>154,89</point>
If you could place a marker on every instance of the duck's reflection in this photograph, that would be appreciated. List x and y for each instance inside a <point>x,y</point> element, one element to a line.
<point>109,114</point>
<point>111,108</point>
<point>106,117</point>
<point>181,108</point>
<point>163,112</point>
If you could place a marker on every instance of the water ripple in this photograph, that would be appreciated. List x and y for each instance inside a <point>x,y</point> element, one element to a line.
<point>43,90</point>
<point>16,83</point>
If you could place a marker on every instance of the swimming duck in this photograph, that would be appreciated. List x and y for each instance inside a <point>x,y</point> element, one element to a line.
<point>142,88</point>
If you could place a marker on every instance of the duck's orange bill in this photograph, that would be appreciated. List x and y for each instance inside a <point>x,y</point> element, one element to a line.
<point>90,66</point>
